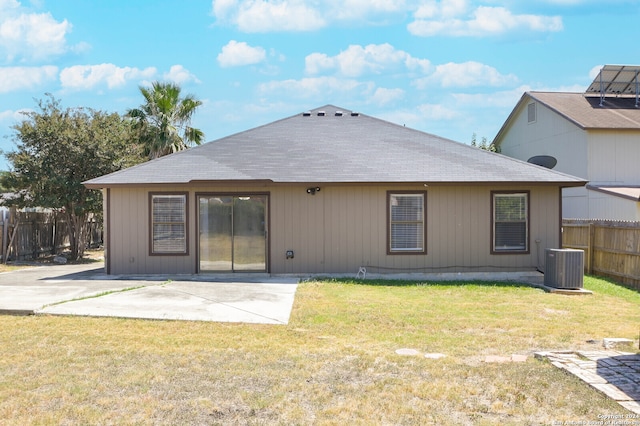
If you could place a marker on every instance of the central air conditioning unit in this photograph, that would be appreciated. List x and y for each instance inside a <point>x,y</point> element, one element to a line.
<point>564,268</point>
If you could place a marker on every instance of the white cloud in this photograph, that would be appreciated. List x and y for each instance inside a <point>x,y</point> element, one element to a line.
<point>504,99</point>
<point>353,10</point>
<point>358,60</point>
<point>223,8</point>
<point>30,36</point>
<point>84,77</point>
<point>383,96</point>
<point>13,116</point>
<point>179,74</point>
<point>595,71</point>
<point>316,87</point>
<point>437,112</point>
<point>466,74</point>
<point>441,9</point>
<point>21,78</point>
<point>316,63</point>
<point>421,114</point>
<point>402,117</point>
<point>6,6</point>
<point>258,16</point>
<point>451,18</point>
<point>236,54</point>
<point>507,99</point>
<point>431,17</point>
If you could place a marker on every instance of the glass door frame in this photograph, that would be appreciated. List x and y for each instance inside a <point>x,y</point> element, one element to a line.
<point>267,230</point>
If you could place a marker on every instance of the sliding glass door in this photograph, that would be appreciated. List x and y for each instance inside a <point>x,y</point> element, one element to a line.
<point>232,233</point>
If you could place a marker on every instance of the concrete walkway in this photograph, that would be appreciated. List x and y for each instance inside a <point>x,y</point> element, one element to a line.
<point>614,373</point>
<point>86,290</point>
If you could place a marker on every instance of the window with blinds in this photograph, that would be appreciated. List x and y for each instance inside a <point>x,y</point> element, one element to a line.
<point>406,223</point>
<point>510,222</point>
<point>168,223</point>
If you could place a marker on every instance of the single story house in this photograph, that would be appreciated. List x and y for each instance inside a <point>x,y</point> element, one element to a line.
<point>594,135</point>
<point>330,191</point>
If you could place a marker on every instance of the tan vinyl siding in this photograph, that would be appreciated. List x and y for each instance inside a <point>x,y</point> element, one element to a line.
<point>342,228</point>
<point>129,251</point>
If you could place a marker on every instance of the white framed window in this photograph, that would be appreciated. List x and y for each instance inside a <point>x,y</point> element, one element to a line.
<point>168,223</point>
<point>510,222</point>
<point>406,221</point>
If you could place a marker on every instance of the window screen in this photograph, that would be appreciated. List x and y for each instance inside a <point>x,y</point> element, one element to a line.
<point>168,223</point>
<point>510,222</point>
<point>406,222</point>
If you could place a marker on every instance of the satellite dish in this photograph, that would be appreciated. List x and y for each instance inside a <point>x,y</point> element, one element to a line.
<point>543,160</point>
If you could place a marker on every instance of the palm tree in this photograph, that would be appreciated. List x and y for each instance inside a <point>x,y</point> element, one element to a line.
<point>163,121</point>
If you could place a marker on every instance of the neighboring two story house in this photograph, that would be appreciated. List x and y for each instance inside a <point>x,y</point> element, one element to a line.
<point>594,135</point>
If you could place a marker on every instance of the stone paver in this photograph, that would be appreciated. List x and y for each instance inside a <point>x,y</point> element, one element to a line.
<point>502,359</point>
<point>614,373</point>
<point>408,351</point>
<point>434,355</point>
<point>519,358</point>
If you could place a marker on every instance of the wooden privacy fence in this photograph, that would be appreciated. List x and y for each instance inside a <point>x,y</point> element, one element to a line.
<point>29,235</point>
<point>611,248</point>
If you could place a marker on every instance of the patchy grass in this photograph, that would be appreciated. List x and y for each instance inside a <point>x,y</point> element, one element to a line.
<point>90,256</point>
<point>10,267</point>
<point>335,363</point>
<point>98,295</point>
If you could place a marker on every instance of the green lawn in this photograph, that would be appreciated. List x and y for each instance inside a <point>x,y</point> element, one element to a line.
<point>335,363</point>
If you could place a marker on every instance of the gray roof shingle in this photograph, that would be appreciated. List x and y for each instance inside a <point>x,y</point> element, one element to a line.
<point>347,148</point>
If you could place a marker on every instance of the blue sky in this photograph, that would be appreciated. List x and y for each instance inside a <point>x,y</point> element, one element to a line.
<point>448,67</point>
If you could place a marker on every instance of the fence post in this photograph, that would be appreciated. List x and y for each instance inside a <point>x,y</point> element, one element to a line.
<point>591,247</point>
<point>5,233</point>
<point>35,237</point>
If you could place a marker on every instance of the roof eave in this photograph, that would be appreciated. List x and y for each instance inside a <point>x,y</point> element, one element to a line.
<point>498,138</point>
<point>603,189</point>
<point>265,182</point>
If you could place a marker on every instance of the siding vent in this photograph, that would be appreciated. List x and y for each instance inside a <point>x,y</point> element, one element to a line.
<point>338,113</point>
<point>531,113</point>
<point>306,113</point>
<point>321,113</point>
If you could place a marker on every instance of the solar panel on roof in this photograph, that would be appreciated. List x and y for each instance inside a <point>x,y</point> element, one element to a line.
<point>618,80</point>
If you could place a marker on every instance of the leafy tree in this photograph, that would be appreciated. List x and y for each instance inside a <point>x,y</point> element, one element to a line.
<point>163,121</point>
<point>483,144</point>
<point>57,150</point>
<point>2,176</point>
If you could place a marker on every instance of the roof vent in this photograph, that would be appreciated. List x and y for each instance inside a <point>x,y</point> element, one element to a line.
<point>338,113</point>
<point>306,113</point>
<point>355,114</point>
<point>320,113</point>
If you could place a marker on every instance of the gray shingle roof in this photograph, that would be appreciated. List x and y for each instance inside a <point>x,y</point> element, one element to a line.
<point>347,148</point>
